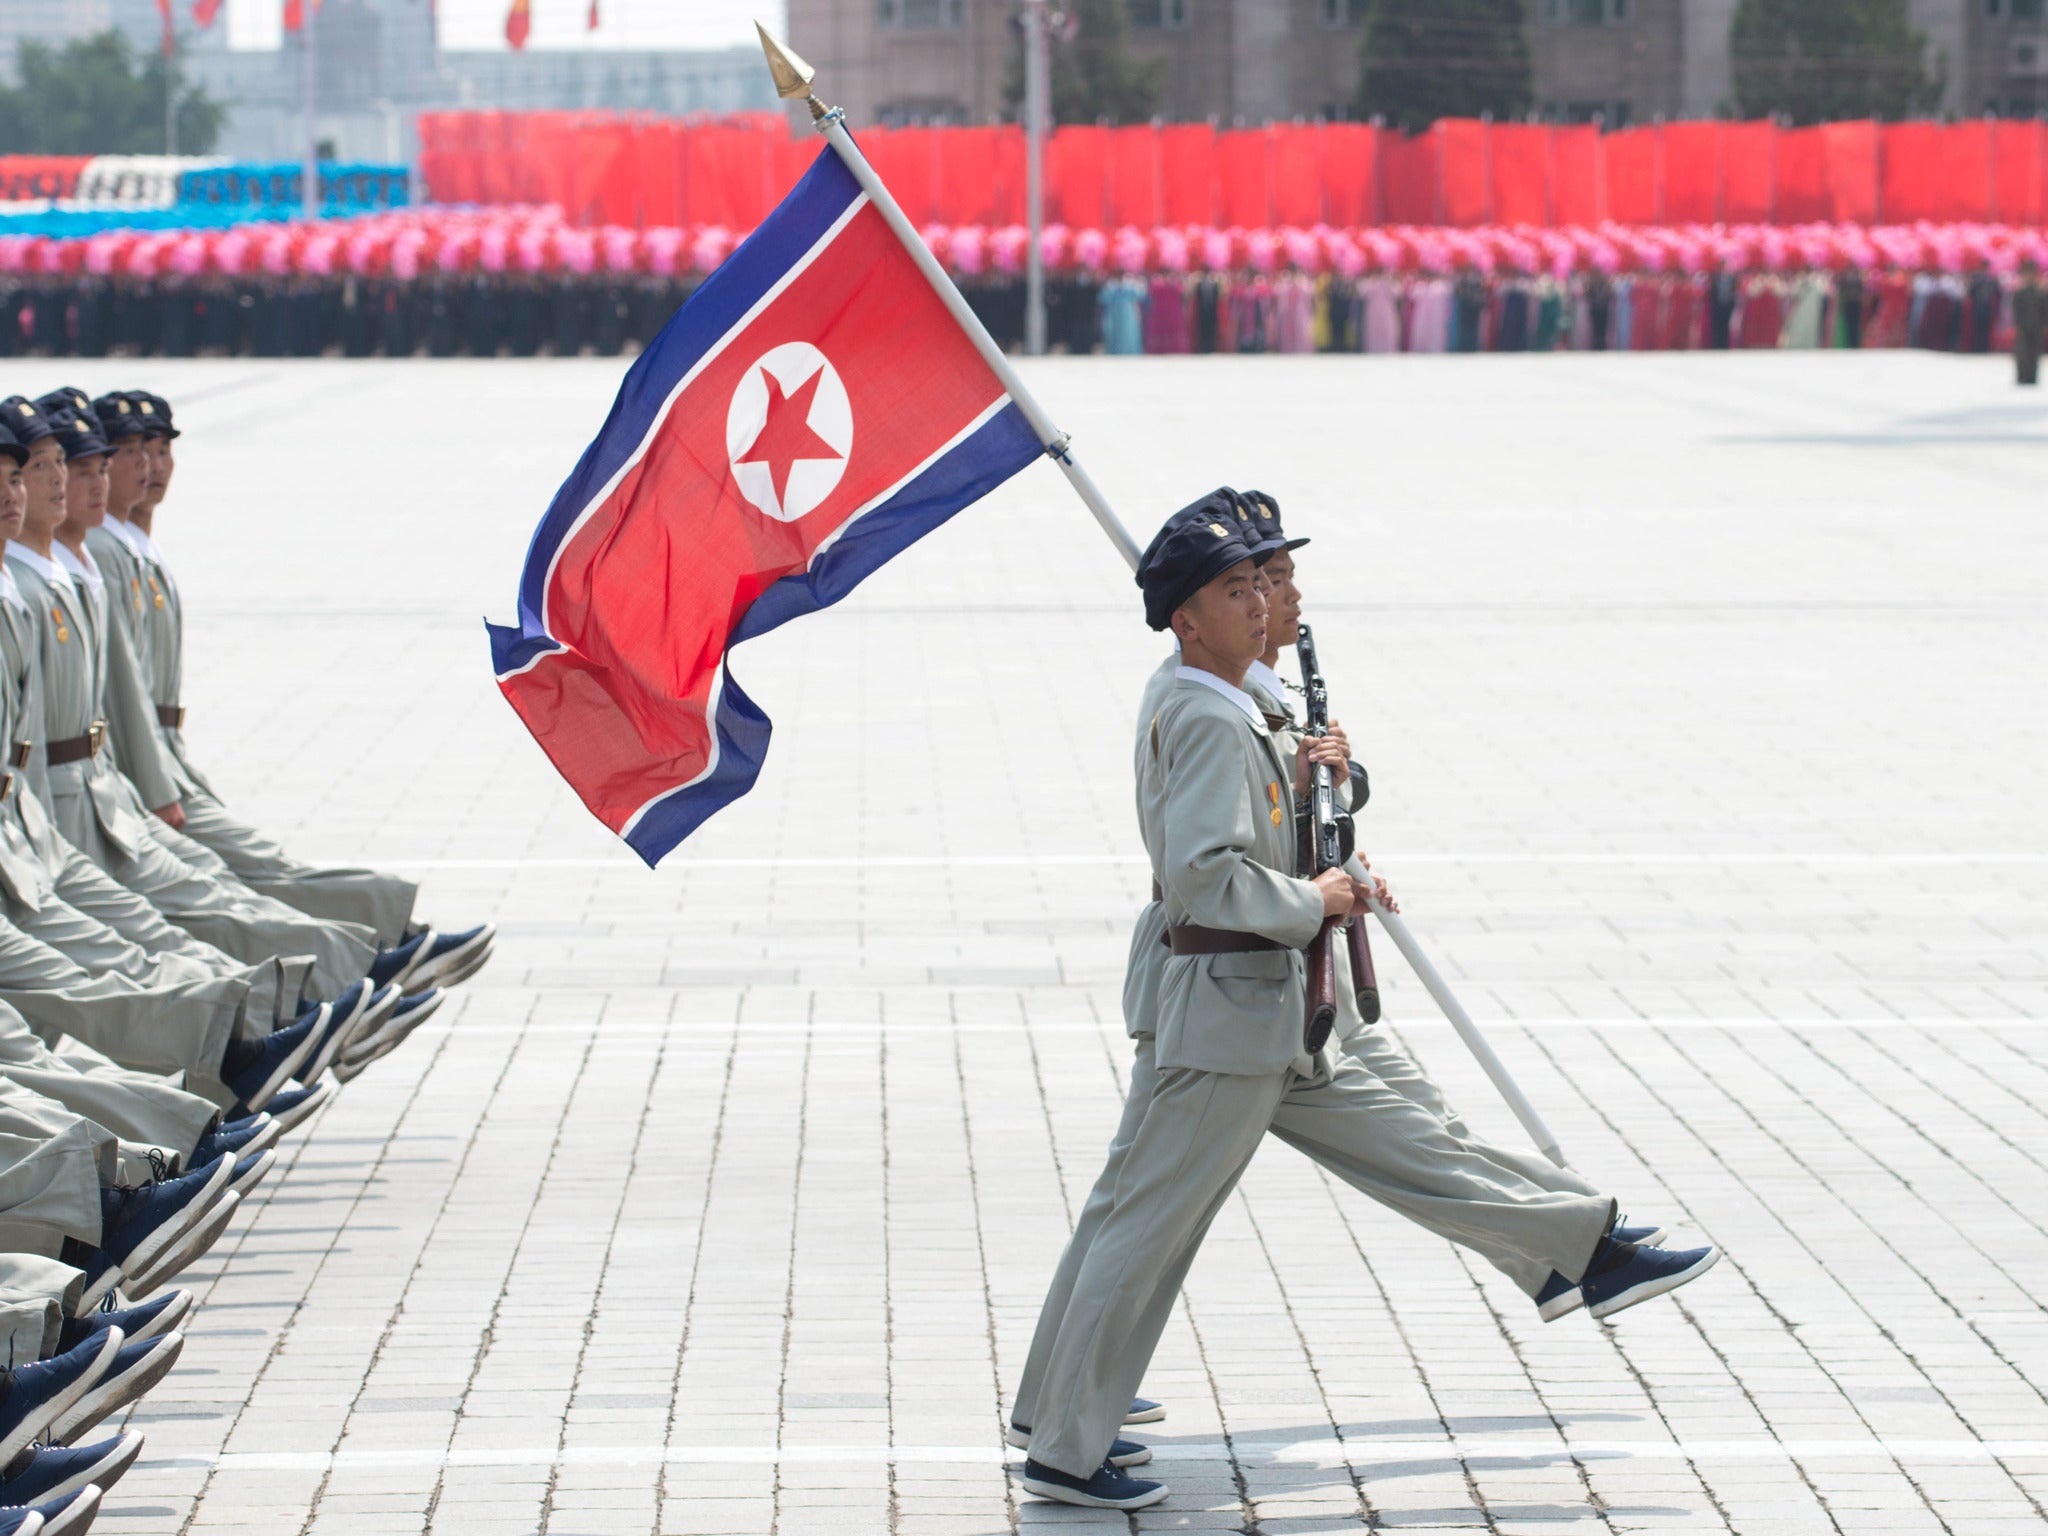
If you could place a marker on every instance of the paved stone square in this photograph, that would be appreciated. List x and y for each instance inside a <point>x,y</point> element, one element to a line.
<point>1704,700</point>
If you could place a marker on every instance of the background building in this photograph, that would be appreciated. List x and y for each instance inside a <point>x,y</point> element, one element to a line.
<point>1620,60</point>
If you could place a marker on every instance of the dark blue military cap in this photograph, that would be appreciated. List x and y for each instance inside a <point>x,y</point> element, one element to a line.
<point>119,419</point>
<point>1268,538</point>
<point>1194,546</point>
<point>28,424</point>
<point>11,446</point>
<point>70,416</point>
<point>155,411</point>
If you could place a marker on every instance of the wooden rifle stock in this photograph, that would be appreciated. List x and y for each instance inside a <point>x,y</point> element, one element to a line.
<point>1322,988</point>
<point>1364,980</point>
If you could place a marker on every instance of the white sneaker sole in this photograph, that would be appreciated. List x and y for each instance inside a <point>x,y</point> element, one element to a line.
<point>429,973</point>
<point>197,1241</point>
<point>110,1394</point>
<point>291,1119</point>
<point>1649,1290</point>
<point>369,1047</point>
<point>1150,1415</point>
<point>242,1184</point>
<point>74,1518</point>
<point>1561,1306</point>
<point>1059,1493</point>
<point>153,1247</point>
<point>104,1473</point>
<point>30,1429</point>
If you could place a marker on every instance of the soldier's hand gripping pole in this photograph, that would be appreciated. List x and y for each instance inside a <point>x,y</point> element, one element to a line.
<point>1328,846</point>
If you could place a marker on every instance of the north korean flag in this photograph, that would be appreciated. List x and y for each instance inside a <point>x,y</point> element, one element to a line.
<point>809,412</point>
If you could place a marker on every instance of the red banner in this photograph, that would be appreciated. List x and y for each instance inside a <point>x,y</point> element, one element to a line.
<point>617,168</point>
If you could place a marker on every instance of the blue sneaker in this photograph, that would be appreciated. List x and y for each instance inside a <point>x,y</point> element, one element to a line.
<point>1623,1274</point>
<point>35,1394</point>
<point>356,1011</point>
<point>21,1522</point>
<point>236,1138</point>
<point>249,1172</point>
<point>1145,1411</point>
<point>1122,1453</point>
<point>292,1107</point>
<point>412,1011</point>
<point>71,1515</point>
<point>139,1223</point>
<point>51,1472</point>
<point>1107,1487</point>
<point>135,1369</point>
<point>256,1071</point>
<point>143,1321</point>
<point>1641,1236</point>
<point>390,966</point>
<point>1558,1298</point>
<point>448,958</point>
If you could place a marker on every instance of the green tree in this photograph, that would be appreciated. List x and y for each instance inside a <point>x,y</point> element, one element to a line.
<point>1095,77</point>
<point>1426,59</point>
<point>97,96</point>
<point>1816,60</point>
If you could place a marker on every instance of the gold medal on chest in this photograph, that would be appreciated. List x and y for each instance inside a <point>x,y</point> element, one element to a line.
<point>157,590</point>
<point>1273,795</point>
<point>63,634</point>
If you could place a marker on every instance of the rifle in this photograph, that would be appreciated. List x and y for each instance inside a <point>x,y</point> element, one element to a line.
<point>1327,842</point>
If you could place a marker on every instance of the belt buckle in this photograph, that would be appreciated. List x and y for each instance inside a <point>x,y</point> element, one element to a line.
<point>177,716</point>
<point>96,736</point>
<point>18,753</point>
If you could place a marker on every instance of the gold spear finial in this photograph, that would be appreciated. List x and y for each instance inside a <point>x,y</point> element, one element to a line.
<point>792,75</point>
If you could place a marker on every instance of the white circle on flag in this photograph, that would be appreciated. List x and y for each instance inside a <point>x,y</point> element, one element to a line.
<point>788,431</point>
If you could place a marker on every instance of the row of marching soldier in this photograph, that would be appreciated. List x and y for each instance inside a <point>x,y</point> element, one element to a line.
<point>177,992</point>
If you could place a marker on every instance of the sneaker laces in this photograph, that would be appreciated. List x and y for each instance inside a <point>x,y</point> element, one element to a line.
<point>159,1167</point>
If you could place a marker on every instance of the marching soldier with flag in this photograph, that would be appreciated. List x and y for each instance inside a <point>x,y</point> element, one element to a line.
<point>1217,815</point>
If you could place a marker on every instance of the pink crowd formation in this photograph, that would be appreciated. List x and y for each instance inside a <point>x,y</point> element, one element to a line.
<point>414,243</point>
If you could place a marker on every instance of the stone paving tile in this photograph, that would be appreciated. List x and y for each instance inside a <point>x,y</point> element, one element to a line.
<point>1701,701</point>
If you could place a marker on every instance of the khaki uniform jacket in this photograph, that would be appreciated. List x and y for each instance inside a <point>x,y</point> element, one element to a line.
<point>146,607</point>
<point>1216,809</point>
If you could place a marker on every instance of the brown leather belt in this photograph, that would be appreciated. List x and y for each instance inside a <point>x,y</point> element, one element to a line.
<point>171,716</point>
<point>77,749</point>
<point>18,753</point>
<point>1194,939</point>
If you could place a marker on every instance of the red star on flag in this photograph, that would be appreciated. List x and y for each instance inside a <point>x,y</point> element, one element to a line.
<point>786,436</point>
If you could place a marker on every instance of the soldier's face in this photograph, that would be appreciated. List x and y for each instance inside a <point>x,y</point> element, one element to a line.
<point>85,492</point>
<point>161,463</point>
<point>1283,628</point>
<point>13,498</point>
<point>45,481</point>
<point>127,475</point>
<point>1227,618</point>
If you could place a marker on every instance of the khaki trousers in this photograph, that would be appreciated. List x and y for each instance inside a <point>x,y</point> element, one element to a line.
<point>1193,1142</point>
<point>380,902</point>
<point>1374,1049</point>
<point>36,1295</point>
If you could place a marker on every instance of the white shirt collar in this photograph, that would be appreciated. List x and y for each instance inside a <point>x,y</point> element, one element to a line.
<point>127,533</point>
<point>81,566</point>
<point>54,574</point>
<point>1263,677</point>
<point>10,589</point>
<point>1237,696</point>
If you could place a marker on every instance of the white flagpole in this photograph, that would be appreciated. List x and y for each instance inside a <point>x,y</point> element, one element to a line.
<point>793,83</point>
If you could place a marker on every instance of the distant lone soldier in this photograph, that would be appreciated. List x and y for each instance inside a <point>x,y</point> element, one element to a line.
<point>2029,319</point>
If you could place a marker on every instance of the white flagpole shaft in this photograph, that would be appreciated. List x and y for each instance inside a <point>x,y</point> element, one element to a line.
<point>833,126</point>
<point>1477,1043</point>
<point>834,129</point>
